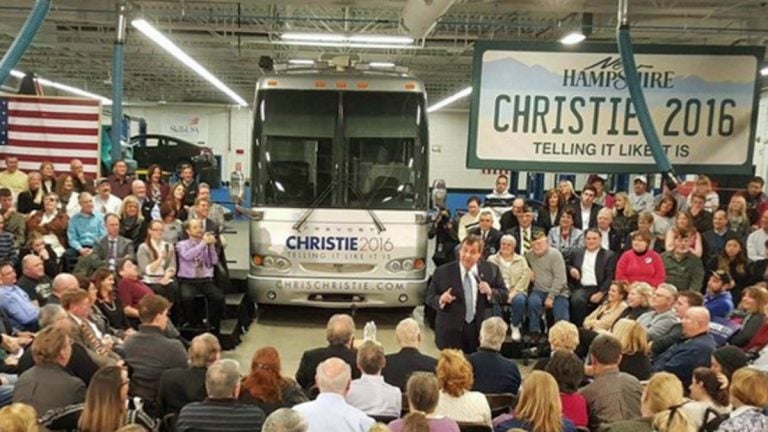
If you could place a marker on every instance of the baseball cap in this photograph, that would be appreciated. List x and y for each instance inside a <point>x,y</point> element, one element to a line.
<point>722,275</point>
<point>641,178</point>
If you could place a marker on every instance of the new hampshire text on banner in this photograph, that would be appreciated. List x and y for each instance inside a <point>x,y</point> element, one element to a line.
<point>544,109</point>
<point>39,129</point>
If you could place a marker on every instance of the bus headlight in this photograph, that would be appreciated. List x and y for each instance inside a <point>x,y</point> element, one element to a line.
<point>405,265</point>
<point>271,262</point>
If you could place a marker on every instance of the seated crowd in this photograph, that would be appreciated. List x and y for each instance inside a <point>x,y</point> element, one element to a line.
<point>94,289</point>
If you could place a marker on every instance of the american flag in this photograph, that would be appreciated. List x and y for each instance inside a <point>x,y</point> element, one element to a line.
<point>38,129</point>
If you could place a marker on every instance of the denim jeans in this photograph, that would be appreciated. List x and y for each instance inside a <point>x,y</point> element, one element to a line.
<point>517,310</point>
<point>6,391</point>
<point>536,307</point>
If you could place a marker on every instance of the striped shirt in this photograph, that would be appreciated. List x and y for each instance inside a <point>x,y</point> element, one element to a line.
<point>220,415</point>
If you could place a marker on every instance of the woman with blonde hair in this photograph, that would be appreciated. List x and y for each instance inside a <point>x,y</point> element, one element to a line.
<point>749,395</point>
<point>635,359</point>
<point>565,187</point>
<point>660,407</point>
<point>539,407</point>
<point>18,417</point>
<point>638,300</point>
<point>457,401</point>
<point>423,393</point>
<point>738,219</point>
<point>105,404</point>
<point>624,217</point>
<point>133,226</point>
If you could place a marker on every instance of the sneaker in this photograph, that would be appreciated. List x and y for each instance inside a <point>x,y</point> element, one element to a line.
<point>516,336</point>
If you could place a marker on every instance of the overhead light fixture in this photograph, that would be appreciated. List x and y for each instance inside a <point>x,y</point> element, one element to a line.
<point>303,62</point>
<point>160,39</point>
<point>350,41</point>
<point>382,65</point>
<point>347,45</point>
<point>65,88</point>
<point>764,71</point>
<point>450,99</point>
<point>572,38</point>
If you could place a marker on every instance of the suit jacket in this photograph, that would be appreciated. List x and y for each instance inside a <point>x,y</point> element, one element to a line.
<point>79,337</point>
<point>507,221</point>
<point>492,243</point>
<point>615,240</point>
<point>605,267</point>
<point>543,220</point>
<point>124,247</point>
<point>180,386</point>
<point>401,365</point>
<point>493,372</point>
<point>449,320</point>
<point>578,223</point>
<point>517,232</point>
<point>305,374</point>
<point>48,386</point>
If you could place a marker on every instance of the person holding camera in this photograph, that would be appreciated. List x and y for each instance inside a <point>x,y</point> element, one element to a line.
<point>197,258</point>
<point>443,230</point>
<point>157,263</point>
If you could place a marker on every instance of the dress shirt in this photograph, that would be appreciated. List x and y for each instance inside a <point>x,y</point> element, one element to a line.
<point>373,396</point>
<point>109,205</point>
<point>585,214</point>
<point>472,273</point>
<point>588,276</point>
<point>196,259</point>
<point>756,245</point>
<point>331,413</point>
<point>17,306</point>
<point>605,239</point>
<point>84,230</point>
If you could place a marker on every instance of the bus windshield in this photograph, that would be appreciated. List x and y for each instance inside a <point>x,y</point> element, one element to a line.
<point>352,149</point>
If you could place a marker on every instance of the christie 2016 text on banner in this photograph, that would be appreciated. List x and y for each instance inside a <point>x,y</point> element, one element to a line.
<point>545,108</point>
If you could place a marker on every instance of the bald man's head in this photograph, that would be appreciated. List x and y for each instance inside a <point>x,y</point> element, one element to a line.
<point>333,376</point>
<point>695,321</point>
<point>64,282</point>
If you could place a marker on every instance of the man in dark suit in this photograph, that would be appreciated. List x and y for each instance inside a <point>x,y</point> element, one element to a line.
<point>463,294</point>
<point>585,214</point>
<point>525,231</point>
<point>610,238</point>
<point>487,233</point>
<point>340,333</point>
<point>149,209</point>
<point>113,246</point>
<point>509,219</point>
<point>180,386</point>
<point>401,365</point>
<point>590,274</point>
<point>493,373</point>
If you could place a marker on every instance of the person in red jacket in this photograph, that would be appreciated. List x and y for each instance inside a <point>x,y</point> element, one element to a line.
<point>641,263</point>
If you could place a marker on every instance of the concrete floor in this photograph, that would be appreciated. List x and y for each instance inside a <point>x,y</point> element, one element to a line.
<point>292,330</point>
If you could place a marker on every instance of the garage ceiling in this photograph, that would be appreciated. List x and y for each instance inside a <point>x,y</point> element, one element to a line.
<point>75,44</point>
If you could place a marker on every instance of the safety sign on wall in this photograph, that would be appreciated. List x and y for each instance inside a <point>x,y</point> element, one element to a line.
<point>546,107</point>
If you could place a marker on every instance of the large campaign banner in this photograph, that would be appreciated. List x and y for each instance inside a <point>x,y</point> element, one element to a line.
<point>545,107</point>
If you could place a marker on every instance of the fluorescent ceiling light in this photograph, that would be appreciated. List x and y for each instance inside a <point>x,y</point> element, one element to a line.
<point>450,99</point>
<point>572,38</point>
<point>346,40</point>
<point>381,39</point>
<point>347,45</point>
<point>310,37</point>
<point>64,87</point>
<point>151,32</point>
<point>301,62</point>
<point>764,71</point>
<point>381,64</point>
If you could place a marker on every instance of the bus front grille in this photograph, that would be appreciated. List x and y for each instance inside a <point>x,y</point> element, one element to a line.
<point>337,268</point>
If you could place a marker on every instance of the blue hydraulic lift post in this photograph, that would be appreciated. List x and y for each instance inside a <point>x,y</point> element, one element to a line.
<point>117,83</point>
<point>24,38</point>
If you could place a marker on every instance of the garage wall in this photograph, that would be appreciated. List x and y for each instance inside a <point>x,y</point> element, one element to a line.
<point>224,129</point>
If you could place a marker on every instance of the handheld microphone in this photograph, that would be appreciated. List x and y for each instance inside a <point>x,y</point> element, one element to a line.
<point>478,279</point>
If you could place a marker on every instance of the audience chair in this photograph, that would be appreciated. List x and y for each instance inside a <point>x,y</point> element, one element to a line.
<point>501,403</point>
<point>474,427</point>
